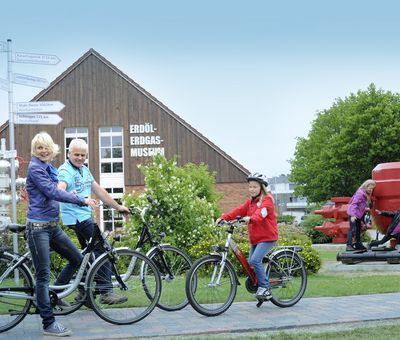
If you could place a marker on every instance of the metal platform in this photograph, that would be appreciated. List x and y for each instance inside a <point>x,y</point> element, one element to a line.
<point>378,254</point>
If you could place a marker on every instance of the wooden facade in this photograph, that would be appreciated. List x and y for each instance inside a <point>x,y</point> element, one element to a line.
<point>97,94</point>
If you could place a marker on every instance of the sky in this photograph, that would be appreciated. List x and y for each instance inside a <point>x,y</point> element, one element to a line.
<point>251,76</point>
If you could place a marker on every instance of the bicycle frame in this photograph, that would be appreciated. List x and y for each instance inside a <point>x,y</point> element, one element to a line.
<point>145,236</point>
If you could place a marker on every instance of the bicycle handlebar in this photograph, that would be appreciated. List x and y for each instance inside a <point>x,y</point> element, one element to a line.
<point>237,222</point>
<point>142,211</point>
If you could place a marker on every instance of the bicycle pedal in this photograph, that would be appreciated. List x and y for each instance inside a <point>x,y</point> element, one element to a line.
<point>260,302</point>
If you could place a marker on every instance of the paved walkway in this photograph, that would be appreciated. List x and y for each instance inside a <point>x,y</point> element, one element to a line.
<point>241,317</point>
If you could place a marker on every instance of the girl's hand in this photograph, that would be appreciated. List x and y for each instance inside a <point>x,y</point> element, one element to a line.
<point>353,219</point>
<point>218,220</point>
<point>246,219</point>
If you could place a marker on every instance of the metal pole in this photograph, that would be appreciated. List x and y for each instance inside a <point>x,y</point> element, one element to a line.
<point>12,142</point>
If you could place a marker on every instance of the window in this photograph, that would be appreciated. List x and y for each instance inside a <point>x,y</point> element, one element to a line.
<point>72,133</point>
<point>112,219</point>
<point>111,150</point>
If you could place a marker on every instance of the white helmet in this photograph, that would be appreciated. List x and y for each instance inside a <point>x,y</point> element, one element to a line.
<point>260,178</point>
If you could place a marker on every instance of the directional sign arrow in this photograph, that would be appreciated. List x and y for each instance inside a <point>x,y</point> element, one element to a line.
<point>4,84</point>
<point>3,46</point>
<point>35,58</point>
<point>31,107</point>
<point>37,119</point>
<point>24,79</point>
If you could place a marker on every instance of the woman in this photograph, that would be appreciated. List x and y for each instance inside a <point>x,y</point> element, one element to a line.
<point>43,230</point>
<point>259,214</point>
<point>356,211</point>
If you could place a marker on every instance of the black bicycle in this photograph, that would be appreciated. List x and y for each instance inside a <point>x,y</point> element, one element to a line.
<point>172,263</point>
<point>141,288</point>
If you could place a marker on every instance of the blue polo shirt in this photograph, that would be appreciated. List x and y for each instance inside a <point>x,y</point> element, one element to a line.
<point>78,180</point>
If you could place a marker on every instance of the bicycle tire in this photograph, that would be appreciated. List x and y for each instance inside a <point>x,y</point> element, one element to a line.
<point>19,307</point>
<point>205,296</point>
<point>173,296</point>
<point>142,293</point>
<point>288,279</point>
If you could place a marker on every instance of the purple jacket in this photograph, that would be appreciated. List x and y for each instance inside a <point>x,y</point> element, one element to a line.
<point>44,195</point>
<point>358,204</point>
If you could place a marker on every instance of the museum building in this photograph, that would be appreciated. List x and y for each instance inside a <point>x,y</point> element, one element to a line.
<point>124,126</point>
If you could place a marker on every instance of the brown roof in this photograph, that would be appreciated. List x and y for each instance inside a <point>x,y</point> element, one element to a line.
<point>92,52</point>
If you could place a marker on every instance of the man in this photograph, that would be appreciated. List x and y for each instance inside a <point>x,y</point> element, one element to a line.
<point>75,177</point>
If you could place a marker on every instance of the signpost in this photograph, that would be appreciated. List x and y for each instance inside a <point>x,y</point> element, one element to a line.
<point>26,80</point>
<point>37,107</point>
<point>26,111</point>
<point>37,119</point>
<point>4,84</point>
<point>35,58</point>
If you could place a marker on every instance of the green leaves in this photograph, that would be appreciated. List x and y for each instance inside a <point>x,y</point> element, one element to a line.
<point>186,203</point>
<point>345,143</point>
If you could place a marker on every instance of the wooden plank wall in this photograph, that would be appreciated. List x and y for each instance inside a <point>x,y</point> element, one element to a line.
<point>95,96</point>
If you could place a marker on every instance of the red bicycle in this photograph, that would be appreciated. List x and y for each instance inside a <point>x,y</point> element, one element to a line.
<point>212,281</point>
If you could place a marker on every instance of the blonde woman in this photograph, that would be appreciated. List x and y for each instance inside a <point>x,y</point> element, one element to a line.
<point>43,230</point>
<point>356,211</point>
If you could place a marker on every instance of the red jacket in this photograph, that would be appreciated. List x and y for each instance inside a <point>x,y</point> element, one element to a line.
<point>262,226</point>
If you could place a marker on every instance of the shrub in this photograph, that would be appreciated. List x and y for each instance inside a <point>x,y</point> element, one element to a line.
<point>185,201</point>
<point>316,236</point>
<point>285,219</point>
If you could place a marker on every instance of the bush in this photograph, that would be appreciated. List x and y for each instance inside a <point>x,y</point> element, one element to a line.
<point>185,202</point>
<point>285,219</point>
<point>289,235</point>
<point>316,236</point>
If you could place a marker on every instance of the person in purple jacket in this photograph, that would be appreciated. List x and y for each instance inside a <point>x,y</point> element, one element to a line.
<point>43,230</point>
<point>356,211</point>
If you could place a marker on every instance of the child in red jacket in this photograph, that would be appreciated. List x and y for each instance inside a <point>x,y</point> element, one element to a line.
<point>259,214</point>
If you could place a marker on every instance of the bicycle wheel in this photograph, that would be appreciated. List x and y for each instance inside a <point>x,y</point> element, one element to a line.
<point>140,294</point>
<point>288,279</point>
<point>173,276</point>
<point>18,283</point>
<point>210,288</point>
<point>73,300</point>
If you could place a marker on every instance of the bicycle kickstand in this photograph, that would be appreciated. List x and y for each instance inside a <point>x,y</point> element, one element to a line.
<point>259,302</point>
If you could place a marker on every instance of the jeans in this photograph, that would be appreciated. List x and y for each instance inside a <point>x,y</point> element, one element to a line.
<point>40,241</point>
<point>354,227</point>
<point>257,253</point>
<point>84,231</point>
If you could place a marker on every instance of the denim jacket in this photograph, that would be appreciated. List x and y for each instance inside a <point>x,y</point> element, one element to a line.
<point>44,194</point>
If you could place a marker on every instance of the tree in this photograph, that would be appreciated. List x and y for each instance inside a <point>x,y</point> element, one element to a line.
<point>345,143</point>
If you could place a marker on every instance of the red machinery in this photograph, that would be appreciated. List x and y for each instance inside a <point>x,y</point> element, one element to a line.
<point>337,229</point>
<point>386,196</point>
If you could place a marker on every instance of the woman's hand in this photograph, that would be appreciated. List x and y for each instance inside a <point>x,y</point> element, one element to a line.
<point>91,203</point>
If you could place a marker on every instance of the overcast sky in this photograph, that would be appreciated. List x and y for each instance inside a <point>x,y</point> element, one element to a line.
<point>249,75</point>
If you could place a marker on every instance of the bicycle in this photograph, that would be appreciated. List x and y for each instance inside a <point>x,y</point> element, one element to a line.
<point>212,281</point>
<point>141,288</point>
<point>171,262</point>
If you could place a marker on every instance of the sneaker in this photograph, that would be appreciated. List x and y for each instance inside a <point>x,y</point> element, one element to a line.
<point>110,298</point>
<point>359,246</point>
<point>56,329</point>
<point>349,247</point>
<point>81,297</point>
<point>263,293</point>
<point>63,304</point>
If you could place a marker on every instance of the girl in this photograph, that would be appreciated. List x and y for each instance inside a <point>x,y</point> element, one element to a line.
<point>356,210</point>
<point>259,214</point>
